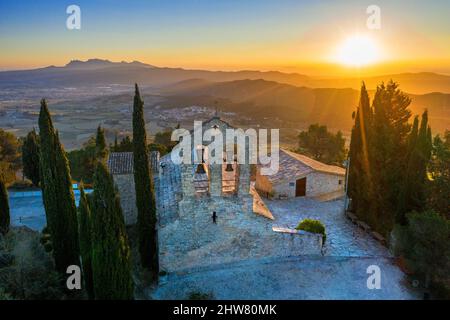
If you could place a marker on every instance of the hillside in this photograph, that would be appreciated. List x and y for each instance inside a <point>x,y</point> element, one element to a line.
<point>260,98</point>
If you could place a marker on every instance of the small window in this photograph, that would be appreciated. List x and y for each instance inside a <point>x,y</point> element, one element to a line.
<point>291,184</point>
<point>340,181</point>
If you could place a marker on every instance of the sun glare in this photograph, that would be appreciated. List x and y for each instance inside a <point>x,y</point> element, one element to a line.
<point>358,50</point>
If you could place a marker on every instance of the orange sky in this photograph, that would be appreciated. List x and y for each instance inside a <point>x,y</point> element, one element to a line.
<point>289,36</point>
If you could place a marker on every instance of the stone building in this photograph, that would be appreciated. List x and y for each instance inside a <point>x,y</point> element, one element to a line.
<point>299,176</point>
<point>206,211</point>
<point>120,165</point>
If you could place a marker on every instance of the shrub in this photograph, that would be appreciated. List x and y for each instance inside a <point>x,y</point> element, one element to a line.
<point>46,240</point>
<point>314,226</point>
<point>4,295</point>
<point>423,242</point>
<point>197,295</point>
<point>163,273</point>
<point>31,275</point>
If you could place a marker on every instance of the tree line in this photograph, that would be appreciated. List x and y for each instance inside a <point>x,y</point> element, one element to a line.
<point>398,180</point>
<point>94,234</point>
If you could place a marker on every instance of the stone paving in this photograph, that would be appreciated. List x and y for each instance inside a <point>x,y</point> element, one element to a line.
<point>341,273</point>
<point>296,278</point>
<point>343,237</point>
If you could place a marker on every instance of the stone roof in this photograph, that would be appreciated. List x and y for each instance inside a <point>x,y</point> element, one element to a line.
<point>293,165</point>
<point>120,162</point>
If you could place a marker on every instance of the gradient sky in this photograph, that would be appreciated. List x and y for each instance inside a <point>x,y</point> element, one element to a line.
<point>299,36</point>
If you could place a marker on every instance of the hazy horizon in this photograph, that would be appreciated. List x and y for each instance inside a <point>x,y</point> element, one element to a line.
<point>309,70</point>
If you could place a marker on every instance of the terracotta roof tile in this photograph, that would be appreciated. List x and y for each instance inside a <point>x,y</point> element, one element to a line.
<point>316,165</point>
<point>294,165</point>
<point>120,162</point>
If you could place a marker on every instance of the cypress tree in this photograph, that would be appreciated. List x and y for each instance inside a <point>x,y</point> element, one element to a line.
<point>4,208</point>
<point>57,193</point>
<point>100,145</point>
<point>425,142</point>
<point>116,144</point>
<point>405,195</point>
<point>378,162</point>
<point>145,197</point>
<point>438,187</point>
<point>30,157</point>
<point>412,196</point>
<point>85,232</point>
<point>111,257</point>
<point>388,152</point>
<point>359,180</point>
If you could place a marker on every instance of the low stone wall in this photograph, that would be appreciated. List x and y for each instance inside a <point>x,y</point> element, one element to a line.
<point>292,242</point>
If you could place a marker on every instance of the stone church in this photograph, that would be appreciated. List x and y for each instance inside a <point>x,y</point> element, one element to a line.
<point>206,211</point>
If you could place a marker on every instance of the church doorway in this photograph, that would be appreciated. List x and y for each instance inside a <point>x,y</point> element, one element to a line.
<point>300,187</point>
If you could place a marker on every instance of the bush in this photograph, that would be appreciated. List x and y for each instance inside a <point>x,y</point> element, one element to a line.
<point>424,244</point>
<point>46,240</point>
<point>4,295</point>
<point>31,275</point>
<point>197,295</point>
<point>314,226</point>
<point>163,273</point>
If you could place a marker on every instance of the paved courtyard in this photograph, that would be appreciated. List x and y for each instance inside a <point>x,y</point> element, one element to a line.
<point>343,237</point>
<point>341,273</point>
<point>296,278</point>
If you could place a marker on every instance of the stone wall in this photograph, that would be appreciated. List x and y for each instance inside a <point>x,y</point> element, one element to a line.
<point>323,183</point>
<point>317,183</point>
<point>291,242</point>
<point>125,185</point>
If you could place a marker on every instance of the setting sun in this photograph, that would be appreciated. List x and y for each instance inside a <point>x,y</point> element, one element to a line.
<point>358,50</point>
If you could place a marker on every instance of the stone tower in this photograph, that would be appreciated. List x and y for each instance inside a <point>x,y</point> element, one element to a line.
<point>221,188</point>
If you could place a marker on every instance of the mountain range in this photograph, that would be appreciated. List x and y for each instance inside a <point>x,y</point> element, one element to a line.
<point>104,72</point>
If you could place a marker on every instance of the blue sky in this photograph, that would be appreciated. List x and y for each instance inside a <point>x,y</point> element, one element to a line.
<point>214,34</point>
